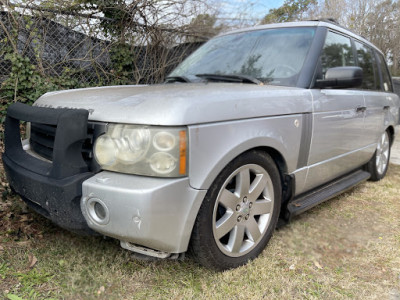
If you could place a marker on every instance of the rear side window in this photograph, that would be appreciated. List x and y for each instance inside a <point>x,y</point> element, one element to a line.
<point>337,52</point>
<point>366,61</point>
<point>386,80</point>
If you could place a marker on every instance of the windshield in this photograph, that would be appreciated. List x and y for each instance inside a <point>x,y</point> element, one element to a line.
<point>273,56</point>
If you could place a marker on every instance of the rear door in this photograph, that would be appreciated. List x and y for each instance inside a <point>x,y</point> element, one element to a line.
<point>376,101</point>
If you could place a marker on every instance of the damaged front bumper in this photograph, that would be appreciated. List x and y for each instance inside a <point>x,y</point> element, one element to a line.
<point>157,213</point>
<point>151,216</point>
<point>52,188</point>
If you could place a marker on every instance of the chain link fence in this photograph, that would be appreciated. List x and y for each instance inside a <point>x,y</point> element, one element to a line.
<point>59,50</point>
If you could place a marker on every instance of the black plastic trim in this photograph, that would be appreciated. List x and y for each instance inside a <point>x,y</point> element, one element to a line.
<point>310,199</point>
<point>71,132</point>
<point>305,145</point>
<point>57,200</point>
<point>53,189</point>
<point>311,63</point>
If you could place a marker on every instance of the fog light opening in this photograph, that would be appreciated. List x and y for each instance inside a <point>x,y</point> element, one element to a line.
<point>98,211</point>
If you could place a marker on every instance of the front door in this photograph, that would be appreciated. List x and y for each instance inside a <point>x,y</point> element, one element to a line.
<point>338,120</point>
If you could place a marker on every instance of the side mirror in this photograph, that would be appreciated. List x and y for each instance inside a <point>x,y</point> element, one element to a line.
<point>341,77</point>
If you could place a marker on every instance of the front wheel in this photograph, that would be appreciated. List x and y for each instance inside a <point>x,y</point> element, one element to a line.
<point>239,213</point>
<point>379,163</point>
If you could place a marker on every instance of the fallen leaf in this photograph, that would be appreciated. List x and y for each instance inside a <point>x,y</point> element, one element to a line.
<point>24,218</point>
<point>62,262</point>
<point>32,260</point>
<point>317,264</point>
<point>101,290</point>
<point>292,267</point>
<point>23,243</point>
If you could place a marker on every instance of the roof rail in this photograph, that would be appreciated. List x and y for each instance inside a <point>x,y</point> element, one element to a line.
<point>328,20</point>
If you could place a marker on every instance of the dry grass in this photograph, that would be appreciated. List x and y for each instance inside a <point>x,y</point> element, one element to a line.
<point>346,248</point>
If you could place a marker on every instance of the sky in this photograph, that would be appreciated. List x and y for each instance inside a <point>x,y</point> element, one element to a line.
<point>247,9</point>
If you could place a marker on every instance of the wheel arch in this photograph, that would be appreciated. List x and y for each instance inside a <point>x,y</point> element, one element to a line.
<point>270,146</point>
<point>277,158</point>
<point>391,132</point>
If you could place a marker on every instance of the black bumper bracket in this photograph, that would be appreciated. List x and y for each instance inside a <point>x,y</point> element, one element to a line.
<point>53,189</point>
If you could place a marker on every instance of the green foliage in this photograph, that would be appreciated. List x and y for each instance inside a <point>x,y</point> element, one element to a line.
<point>122,58</point>
<point>291,10</point>
<point>29,282</point>
<point>4,269</point>
<point>24,83</point>
<point>14,297</point>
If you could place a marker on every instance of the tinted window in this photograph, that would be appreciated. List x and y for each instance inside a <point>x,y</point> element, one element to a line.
<point>386,80</point>
<point>366,61</point>
<point>337,52</point>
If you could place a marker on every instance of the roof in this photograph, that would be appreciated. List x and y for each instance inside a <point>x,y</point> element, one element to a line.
<point>314,23</point>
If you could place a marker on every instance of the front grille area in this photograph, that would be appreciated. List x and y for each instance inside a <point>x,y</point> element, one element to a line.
<point>42,139</point>
<point>43,136</point>
<point>87,147</point>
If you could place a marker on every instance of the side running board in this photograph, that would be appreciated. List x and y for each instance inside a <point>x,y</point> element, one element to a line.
<point>326,192</point>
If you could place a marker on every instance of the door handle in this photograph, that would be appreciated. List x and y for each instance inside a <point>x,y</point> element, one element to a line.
<point>361,109</point>
<point>386,107</point>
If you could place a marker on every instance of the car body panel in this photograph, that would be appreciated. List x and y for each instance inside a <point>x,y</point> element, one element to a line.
<point>157,213</point>
<point>338,130</point>
<point>182,104</point>
<point>213,146</point>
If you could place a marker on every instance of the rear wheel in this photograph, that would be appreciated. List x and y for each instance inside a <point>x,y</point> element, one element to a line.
<point>239,212</point>
<point>379,163</point>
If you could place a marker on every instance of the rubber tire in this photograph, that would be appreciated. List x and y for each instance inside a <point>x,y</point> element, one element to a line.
<point>203,247</point>
<point>371,165</point>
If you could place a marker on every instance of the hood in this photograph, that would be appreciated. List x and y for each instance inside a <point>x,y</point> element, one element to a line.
<point>181,103</point>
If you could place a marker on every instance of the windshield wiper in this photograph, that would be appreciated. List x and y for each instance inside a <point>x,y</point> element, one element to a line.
<point>230,78</point>
<point>177,79</point>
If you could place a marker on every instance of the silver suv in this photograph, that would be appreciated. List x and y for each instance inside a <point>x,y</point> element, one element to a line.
<point>257,125</point>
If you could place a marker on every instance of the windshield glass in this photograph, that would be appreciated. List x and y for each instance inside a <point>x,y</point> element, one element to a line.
<point>273,56</point>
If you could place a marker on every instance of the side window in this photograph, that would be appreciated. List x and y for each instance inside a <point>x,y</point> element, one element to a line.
<point>386,80</point>
<point>366,61</point>
<point>337,52</point>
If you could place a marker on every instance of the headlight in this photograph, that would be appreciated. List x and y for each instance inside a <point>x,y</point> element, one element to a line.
<point>105,150</point>
<point>143,150</point>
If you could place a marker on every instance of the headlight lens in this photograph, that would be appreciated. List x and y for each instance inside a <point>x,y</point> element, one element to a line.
<point>143,150</point>
<point>164,141</point>
<point>132,143</point>
<point>106,150</point>
<point>162,163</point>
